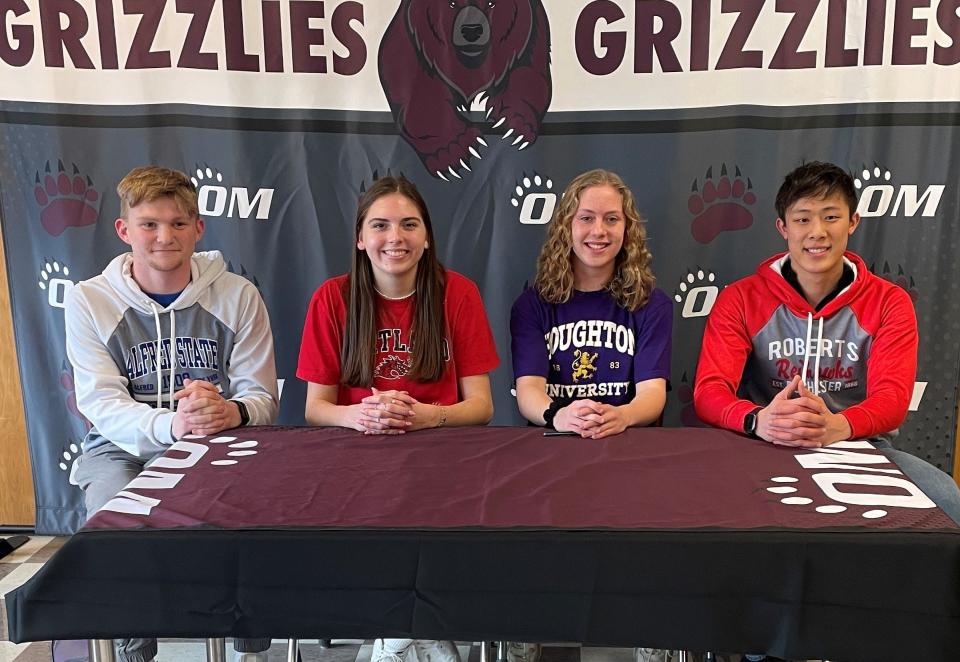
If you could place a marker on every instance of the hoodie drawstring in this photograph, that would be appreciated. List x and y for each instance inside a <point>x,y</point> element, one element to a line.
<point>172,355</point>
<point>156,321</point>
<point>817,352</point>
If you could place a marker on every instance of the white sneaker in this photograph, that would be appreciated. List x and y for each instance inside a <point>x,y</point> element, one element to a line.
<point>379,654</point>
<point>654,655</point>
<point>521,652</point>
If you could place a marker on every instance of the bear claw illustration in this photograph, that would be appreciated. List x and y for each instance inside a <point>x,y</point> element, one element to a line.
<point>65,201</point>
<point>720,206</point>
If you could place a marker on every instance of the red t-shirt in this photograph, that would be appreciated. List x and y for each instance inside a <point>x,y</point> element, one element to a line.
<point>468,335</point>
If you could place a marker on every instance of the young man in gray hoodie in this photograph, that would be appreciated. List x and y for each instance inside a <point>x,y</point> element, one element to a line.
<point>164,343</point>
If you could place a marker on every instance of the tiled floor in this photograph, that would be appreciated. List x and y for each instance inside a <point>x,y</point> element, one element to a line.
<point>18,567</point>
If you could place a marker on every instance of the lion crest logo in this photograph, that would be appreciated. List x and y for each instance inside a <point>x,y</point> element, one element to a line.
<point>583,367</point>
<point>438,57</point>
<point>391,367</point>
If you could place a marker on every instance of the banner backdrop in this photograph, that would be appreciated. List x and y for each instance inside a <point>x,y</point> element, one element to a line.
<point>283,111</point>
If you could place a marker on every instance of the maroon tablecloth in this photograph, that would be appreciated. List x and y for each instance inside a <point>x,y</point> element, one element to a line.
<point>657,478</point>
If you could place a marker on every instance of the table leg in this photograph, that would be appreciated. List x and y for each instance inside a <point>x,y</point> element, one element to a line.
<point>502,651</point>
<point>684,656</point>
<point>710,657</point>
<point>101,650</point>
<point>217,650</point>
<point>293,647</point>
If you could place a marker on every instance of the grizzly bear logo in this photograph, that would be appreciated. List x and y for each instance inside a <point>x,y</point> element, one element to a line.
<point>439,56</point>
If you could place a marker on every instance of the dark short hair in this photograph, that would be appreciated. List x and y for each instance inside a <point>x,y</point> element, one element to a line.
<point>816,180</point>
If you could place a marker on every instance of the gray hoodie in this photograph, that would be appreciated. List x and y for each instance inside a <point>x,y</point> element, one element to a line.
<point>119,341</point>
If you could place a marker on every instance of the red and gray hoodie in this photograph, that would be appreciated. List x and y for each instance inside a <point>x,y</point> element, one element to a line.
<point>761,332</point>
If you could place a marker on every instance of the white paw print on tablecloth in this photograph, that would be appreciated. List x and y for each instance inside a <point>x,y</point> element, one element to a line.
<point>783,487</point>
<point>241,448</point>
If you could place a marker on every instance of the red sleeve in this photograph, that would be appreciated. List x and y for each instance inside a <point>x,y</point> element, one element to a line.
<point>474,352</point>
<point>891,366</point>
<point>723,355</point>
<point>323,335</point>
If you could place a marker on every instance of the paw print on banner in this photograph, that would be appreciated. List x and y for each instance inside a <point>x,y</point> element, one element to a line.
<point>688,415</point>
<point>535,198</point>
<point>54,279</point>
<point>697,293</point>
<point>866,175</point>
<point>723,206</point>
<point>906,283</point>
<point>65,201</point>
<point>206,175</point>
<point>49,270</point>
<point>246,274</point>
<point>376,175</point>
<point>783,486</point>
<point>67,384</point>
<point>69,456</point>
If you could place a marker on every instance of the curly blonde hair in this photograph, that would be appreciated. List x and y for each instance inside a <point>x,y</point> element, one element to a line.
<point>632,281</point>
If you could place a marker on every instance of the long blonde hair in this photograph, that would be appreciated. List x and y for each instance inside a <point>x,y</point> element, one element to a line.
<point>632,280</point>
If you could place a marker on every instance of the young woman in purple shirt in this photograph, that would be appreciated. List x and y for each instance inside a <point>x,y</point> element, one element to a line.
<point>591,337</point>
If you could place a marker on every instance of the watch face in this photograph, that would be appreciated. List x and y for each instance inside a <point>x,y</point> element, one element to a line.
<point>750,423</point>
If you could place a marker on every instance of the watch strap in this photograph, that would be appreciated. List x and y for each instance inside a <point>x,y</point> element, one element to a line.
<point>750,422</point>
<point>244,414</point>
<point>550,412</point>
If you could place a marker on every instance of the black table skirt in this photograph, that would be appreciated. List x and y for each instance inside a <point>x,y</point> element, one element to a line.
<point>795,594</point>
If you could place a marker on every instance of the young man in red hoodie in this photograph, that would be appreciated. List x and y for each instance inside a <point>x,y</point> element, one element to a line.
<point>755,373</point>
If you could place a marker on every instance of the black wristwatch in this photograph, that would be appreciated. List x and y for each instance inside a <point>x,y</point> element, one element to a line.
<point>750,422</point>
<point>551,411</point>
<point>244,414</point>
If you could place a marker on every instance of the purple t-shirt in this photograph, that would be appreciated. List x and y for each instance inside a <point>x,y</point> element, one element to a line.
<point>591,347</point>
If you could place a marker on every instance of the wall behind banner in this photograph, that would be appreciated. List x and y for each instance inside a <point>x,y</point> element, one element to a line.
<point>280,157</point>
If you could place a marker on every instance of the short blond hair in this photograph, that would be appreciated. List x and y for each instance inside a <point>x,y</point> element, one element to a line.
<point>148,183</point>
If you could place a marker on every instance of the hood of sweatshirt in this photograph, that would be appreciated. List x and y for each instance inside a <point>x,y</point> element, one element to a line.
<point>770,271</point>
<point>205,267</point>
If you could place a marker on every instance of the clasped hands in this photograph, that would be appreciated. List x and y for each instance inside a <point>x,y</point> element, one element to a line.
<point>802,420</point>
<point>202,410</point>
<point>591,419</point>
<point>391,412</point>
